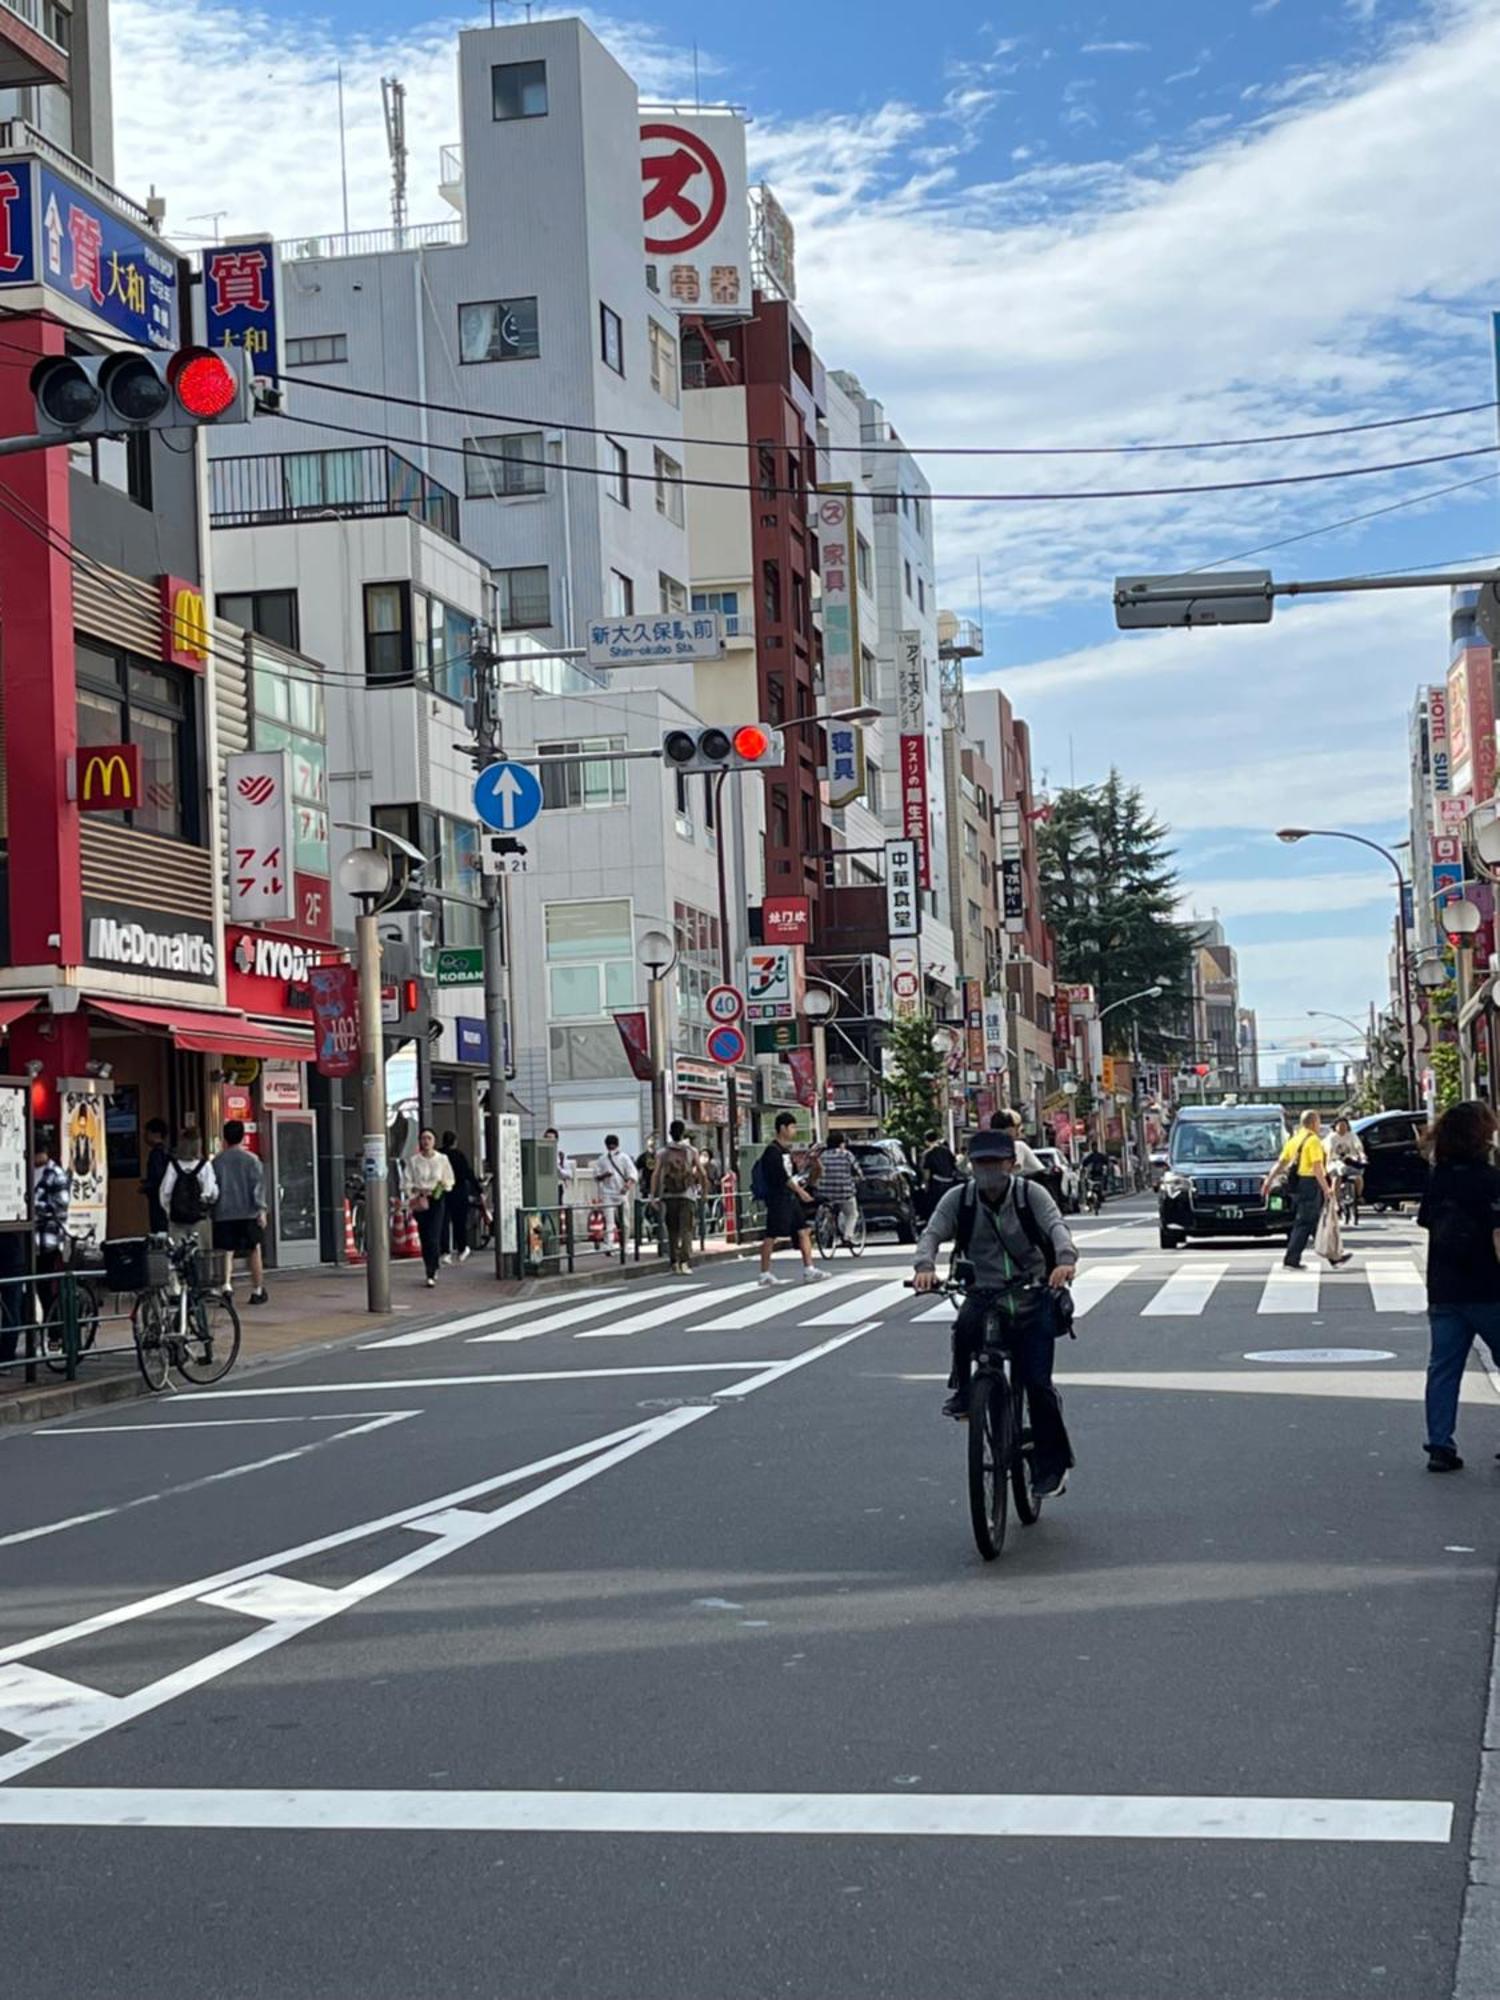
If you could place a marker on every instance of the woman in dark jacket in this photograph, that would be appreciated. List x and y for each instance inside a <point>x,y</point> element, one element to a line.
<point>1461,1214</point>
<point>456,1201</point>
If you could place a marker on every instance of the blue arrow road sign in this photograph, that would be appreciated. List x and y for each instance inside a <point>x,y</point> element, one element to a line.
<point>507,796</point>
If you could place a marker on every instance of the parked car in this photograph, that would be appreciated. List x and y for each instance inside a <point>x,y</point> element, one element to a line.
<point>887,1186</point>
<point>1060,1178</point>
<point>1218,1155</point>
<point>1396,1168</point>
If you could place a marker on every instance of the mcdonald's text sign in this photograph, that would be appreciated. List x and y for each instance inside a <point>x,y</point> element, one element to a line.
<point>184,624</point>
<point>109,777</point>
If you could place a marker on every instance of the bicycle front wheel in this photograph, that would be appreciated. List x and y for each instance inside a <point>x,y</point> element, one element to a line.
<point>1023,1468</point>
<point>212,1345</point>
<point>990,1432</point>
<point>856,1237</point>
<point>826,1231</point>
<point>148,1326</point>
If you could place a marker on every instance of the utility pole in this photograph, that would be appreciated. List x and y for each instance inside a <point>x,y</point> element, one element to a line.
<point>484,661</point>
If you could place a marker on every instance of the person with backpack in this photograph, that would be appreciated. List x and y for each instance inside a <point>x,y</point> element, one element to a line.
<point>1461,1213</point>
<point>677,1183</point>
<point>1010,1232</point>
<point>189,1189</point>
<point>789,1205</point>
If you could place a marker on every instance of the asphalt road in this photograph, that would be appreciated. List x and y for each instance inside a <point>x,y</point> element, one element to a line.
<point>598,1651</point>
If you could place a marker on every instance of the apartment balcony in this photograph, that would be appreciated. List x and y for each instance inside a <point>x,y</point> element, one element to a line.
<point>451,176</point>
<point>32,46</point>
<point>367,242</point>
<point>959,638</point>
<point>279,486</point>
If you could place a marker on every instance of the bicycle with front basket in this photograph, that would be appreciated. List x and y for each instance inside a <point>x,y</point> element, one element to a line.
<point>180,1322</point>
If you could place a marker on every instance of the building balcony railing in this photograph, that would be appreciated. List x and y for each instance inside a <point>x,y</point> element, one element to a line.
<point>370,242</point>
<point>31,47</point>
<point>16,136</point>
<point>959,639</point>
<point>271,487</point>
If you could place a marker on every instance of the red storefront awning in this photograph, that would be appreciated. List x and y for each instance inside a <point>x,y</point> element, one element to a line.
<point>212,1031</point>
<point>12,1009</point>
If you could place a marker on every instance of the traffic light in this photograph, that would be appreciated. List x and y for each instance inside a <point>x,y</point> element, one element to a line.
<point>139,389</point>
<point>751,746</point>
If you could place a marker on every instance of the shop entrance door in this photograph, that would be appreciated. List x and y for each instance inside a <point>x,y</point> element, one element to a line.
<point>294,1186</point>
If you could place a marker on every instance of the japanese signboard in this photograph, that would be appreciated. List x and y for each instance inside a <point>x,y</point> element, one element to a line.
<point>1446,847</point>
<point>1012,894</point>
<point>775,245</point>
<point>903,905</point>
<point>914,823</point>
<point>241,281</point>
<point>15,1155</point>
<point>839,576</point>
<point>258,789</point>
<point>768,984</point>
<point>81,1148</point>
<point>995,1049</point>
<point>1460,737</point>
<point>695,208</point>
<point>786,920</point>
<point>1455,809</point>
<point>974,1024</point>
<point>81,248</point>
<point>109,777</point>
<point>623,642</point>
<point>1440,751</point>
<point>1080,997</point>
<point>1474,670</point>
<point>906,979</point>
<point>846,762</point>
<point>911,685</point>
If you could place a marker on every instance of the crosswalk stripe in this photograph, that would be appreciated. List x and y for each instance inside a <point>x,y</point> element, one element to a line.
<point>779,1299</point>
<point>1185,1293</point>
<point>1289,1291</point>
<point>935,1314</point>
<point>862,1306</point>
<point>688,1300</point>
<point>573,1315</point>
<point>1396,1287</point>
<point>452,1327</point>
<point>1095,1285</point>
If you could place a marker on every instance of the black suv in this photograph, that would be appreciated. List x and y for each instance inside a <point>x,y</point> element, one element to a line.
<point>1396,1167</point>
<point>887,1186</point>
<point>1217,1158</point>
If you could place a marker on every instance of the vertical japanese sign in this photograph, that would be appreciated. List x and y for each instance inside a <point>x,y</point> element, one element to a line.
<point>995,1049</point>
<point>636,1042</point>
<point>241,286</point>
<point>84,1155</point>
<point>906,979</point>
<point>1460,736</point>
<point>903,909</point>
<point>839,575</point>
<point>974,1024</point>
<point>695,207</point>
<point>1478,666</point>
<point>1012,879</point>
<point>259,793</point>
<point>335,1000</point>
<point>911,715</point>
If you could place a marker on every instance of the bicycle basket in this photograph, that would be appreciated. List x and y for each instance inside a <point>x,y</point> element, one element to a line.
<point>136,1263</point>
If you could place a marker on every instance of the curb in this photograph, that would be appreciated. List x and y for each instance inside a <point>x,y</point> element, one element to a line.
<point>1477,1973</point>
<point>44,1403</point>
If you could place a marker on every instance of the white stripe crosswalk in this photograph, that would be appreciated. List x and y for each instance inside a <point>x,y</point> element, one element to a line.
<point>863,1305</point>
<point>1092,1286</point>
<point>774,1300</point>
<point>1396,1287</point>
<point>1185,1293</point>
<point>1290,1291</point>
<point>570,1316</point>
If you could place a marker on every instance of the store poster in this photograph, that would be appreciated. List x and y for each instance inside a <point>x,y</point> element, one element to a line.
<point>87,1162</point>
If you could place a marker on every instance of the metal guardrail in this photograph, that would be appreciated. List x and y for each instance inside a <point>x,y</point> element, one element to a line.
<point>16,136</point>
<point>369,242</point>
<point>259,488</point>
<point>54,1319</point>
<point>555,1239</point>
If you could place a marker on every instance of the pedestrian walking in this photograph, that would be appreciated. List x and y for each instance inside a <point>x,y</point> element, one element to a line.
<point>616,1176</point>
<point>1461,1213</point>
<point>789,1205</point>
<point>189,1190</point>
<point>429,1182</point>
<point>564,1171</point>
<point>456,1202</point>
<point>240,1211</point>
<point>51,1192</point>
<point>1302,1172</point>
<point>677,1184</point>
<point>158,1159</point>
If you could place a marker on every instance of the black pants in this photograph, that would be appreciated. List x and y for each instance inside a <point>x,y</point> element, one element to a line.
<point>1307,1208</point>
<point>456,1221</point>
<point>1031,1350</point>
<point>430,1229</point>
<point>678,1212</point>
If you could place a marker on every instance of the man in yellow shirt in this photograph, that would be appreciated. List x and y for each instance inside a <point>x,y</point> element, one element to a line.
<point>1305,1162</point>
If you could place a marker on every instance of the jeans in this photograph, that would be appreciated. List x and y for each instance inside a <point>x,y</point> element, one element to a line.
<point>430,1230</point>
<point>1031,1350</point>
<point>1453,1331</point>
<point>678,1211</point>
<point>1308,1207</point>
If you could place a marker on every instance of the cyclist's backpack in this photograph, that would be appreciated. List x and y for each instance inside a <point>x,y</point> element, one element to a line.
<point>760,1179</point>
<point>676,1170</point>
<point>969,1209</point>
<point>187,1205</point>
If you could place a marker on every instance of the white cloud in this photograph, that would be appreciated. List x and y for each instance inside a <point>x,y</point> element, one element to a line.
<point>1114,48</point>
<point>1287,893</point>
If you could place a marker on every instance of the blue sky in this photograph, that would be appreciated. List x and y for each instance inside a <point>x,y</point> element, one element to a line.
<point>1148,223</point>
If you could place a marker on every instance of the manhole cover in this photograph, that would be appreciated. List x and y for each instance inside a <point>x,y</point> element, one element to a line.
<point>1322,1357</point>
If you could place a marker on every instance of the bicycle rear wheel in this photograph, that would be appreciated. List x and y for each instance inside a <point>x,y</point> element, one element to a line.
<point>212,1345</point>
<point>990,1435</point>
<point>88,1328</point>
<point>826,1231</point>
<point>148,1326</point>
<point>856,1238</point>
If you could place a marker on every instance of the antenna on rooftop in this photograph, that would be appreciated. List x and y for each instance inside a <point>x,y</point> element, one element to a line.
<point>393,96</point>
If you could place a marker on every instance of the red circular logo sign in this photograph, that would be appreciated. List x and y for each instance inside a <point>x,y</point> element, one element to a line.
<point>685,194</point>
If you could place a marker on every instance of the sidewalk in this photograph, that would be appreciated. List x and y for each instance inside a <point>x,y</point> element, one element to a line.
<point>320,1308</point>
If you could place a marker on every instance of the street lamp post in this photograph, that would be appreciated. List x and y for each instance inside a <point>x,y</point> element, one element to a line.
<point>1291,835</point>
<point>818,1004</point>
<point>658,955</point>
<point>1145,993</point>
<point>364,874</point>
<point>1462,919</point>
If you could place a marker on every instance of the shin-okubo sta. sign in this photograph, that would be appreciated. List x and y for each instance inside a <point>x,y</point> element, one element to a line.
<point>695,207</point>
<point>626,642</point>
<point>839,575</point>
<point>903,904</point>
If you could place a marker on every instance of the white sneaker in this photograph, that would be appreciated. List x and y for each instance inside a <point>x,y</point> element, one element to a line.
<point>767,1279</point>
<point>465,1254</point>
<point>432,1284</point>
<point>447,1256</point>
<point>811,1275</point>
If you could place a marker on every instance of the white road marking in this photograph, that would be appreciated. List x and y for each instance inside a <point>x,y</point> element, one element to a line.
<point>492,1317</point>
<point>209,1479</point>
<point>571,1316</point>
<point>32,1700</point>
<point>66,1430</point>
<point>1093,1285</point>
<point>1320,1357</point>
<point>689,1300</point>
<point>859,1815</point>
<point>1185,1293</point>
<point>275,1598</point>
<point>847,1311</point>
<point>779,1368</point>
<point>1289,1291</point>
<point>1396,1287</point>
<point>487,1380</point>
<point>944,1313</point>
<point>778,1299</point>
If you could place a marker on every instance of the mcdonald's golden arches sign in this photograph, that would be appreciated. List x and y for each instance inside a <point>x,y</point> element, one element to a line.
<point>109,777</point>
<point>184,624</point>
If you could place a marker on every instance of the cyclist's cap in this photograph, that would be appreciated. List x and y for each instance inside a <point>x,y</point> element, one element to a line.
<point>992,1146</point>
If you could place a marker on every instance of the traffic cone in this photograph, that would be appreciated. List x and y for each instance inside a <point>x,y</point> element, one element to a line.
<point>352,1252</point>
<point>405,1242</point>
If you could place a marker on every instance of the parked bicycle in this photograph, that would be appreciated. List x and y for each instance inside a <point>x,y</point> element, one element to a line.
<point>177,1320</point>
<point>83,1250</point>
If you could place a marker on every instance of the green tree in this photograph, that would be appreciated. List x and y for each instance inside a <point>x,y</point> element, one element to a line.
<point>1445,1069</point>
<point>1390,1068</point>
<point>913,1073</point>
<point>1109,893</point>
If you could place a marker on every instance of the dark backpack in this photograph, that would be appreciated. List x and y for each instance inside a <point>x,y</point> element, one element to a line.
<point>1059,1305</point>
<point>187,1205</point>
<point>760,1177</point>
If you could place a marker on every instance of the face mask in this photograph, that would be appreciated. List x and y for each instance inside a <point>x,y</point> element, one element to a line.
<point>990,1179</point>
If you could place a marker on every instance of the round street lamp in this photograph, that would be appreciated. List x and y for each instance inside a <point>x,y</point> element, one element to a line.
<point>1486,838</point>
<point>818,1004</point>
<point>944,1041</point>
<point>1431,974</point>
<point>1461,918</point>
<point>657,952</point>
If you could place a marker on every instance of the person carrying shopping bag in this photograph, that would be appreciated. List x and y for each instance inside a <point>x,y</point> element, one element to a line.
<point>1302,1173</point>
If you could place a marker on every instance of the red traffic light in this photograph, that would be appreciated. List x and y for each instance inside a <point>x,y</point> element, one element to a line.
<point>202,381</point>
<point>751,741</point>
<point>1200,1069</point>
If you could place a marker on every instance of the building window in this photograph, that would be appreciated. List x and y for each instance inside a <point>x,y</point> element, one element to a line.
<point>519,90</point>
<point>590,972</point>
<point>124,463</point>
<point>921,594</point>
<point>975,917</point>
<point>569,787</point>
<point>621,595</point>
<point>872,787</point>
<point>779,831</point>
<point>271,613</point>
<point>770,592</point>
<point>698,965</point>
<point>682,803</point>
<point>287,712</point>
<point>500,468</point>
<point>498,330</point>
<point>674,595</point>
<point>523,597</point>
<point>125,700</point>
<point>864,567</point>
<point>442,646</point>
<point>906,572</point>
<point>726,603</point>
<point>388,652</point>
<point>668,488</point>
<point>316,350</point>
<point>617,472</point>
<point>663,363</point>
<point>454,844</point>
<point>611,339</point>
<point>710,788</point>
<point>971,842</point>
<point>885,503</point>
<point>799,602</point>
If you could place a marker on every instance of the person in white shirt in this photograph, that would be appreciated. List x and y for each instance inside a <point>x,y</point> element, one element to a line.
<point>1010,1121</point>
<point>617,1179</point>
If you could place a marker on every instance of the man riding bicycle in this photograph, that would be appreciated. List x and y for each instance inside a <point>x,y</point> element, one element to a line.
<point>1009,1230</point>
<point>837,1184</point>
<point>1095,1167</point>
